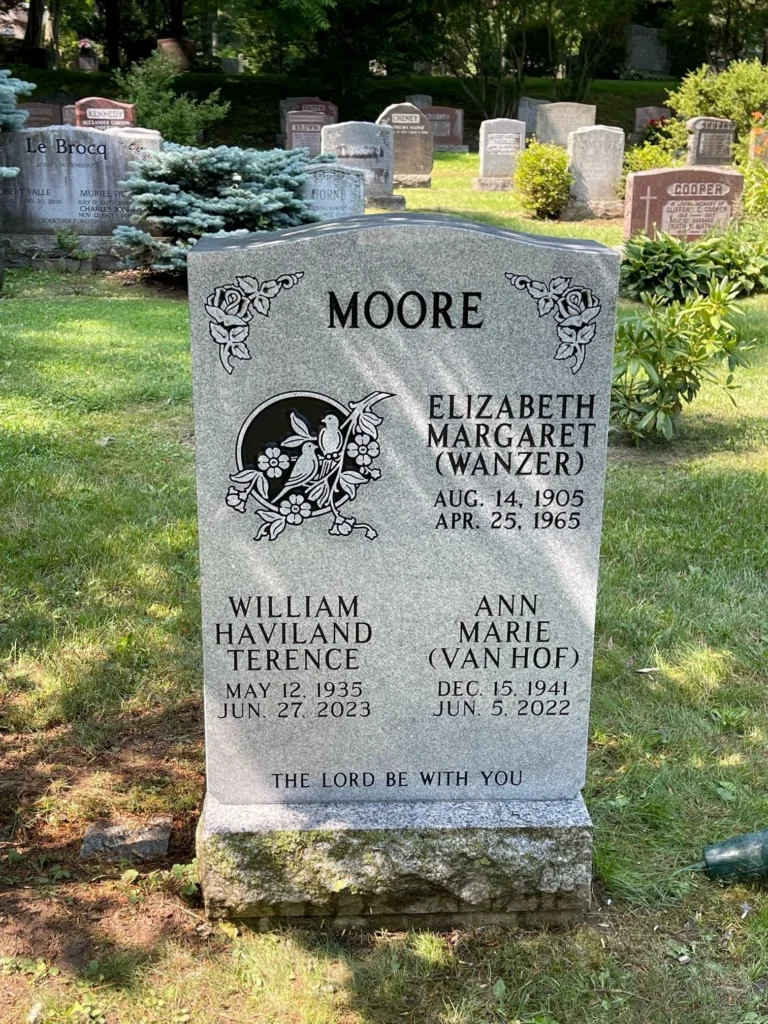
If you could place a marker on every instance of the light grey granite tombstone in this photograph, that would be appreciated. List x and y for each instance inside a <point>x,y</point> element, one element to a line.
<point>711,140</point>
<point>414,145</point>
<point>401,427</point>
<point>302,130</point>
<point>556,121</point>
<point>232,65</point>
<point>645,50</point>
<point>369,147</point>
<point>69,178</point>
<point>597,159</point>
<point>68,114</point>
<point>501,139</point>
<point>527,110</point>
<point>419,99</point>
<point>335,192</point>
<point>644,116</point>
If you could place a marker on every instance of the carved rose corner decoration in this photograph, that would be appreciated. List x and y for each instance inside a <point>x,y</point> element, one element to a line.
<point>575,308</point>
<point>231,308</point>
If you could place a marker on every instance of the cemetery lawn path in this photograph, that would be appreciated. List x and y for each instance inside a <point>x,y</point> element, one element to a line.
<point>100,711</point>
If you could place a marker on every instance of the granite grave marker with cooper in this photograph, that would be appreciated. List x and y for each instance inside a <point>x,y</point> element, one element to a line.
<point>401,427</point>
<point>711,141</point>
<point>335,192</point>
<point>447,124</point>
<point>370,148</point>
<point>556,121</point>
<point>684,201</point>
<point>501,140</point>
<point>303,128</point>
<point>98,112</point>
<point>597,159</point>
<point>414,145</point>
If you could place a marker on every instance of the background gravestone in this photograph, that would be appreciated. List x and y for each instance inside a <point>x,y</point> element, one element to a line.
<point>644,116</point>
<point>597,158</point>
<point>68,114</point>
<point>646,50</point>
<point>556,121</point>
<point>447,124</point>
<point>69,178</point>
<point>501,139</point>
<point>290,102</point>
<point>419,99</point>
<point>335,192</point>
<point>527,111</point>
<point>41,115</point>
<point>414,145</point>
<point>303,128</point>
<point>684,201</point>
<point>378,522</point>
<point>315,106</point>
<point>370,148</point>
<point>98,112</point>
<point>711,141</point>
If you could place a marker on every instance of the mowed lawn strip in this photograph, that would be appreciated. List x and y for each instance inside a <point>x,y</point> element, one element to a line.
<point>101,689</point>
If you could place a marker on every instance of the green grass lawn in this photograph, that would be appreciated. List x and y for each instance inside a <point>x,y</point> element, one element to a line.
<point>100,695</point>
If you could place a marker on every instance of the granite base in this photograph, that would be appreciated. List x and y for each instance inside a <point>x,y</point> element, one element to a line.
<point>29,250</point>
<point>377,865</point>
<point>413,181</point>
<point>385,202</point>
<point>491,184</point>
<point>603,209</point>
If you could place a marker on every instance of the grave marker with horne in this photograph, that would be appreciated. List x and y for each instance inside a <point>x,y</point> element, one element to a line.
<point>414,145</point>
<point>401,427</point>
<point>447,124</point>
<point>711,141</point>
<point>501,139</point>
<point>335,192</point>
<point>556,121</point>
<point>369,147</point>
<point>597,158</point>
<point>684,201</point>
<point>98,112</point>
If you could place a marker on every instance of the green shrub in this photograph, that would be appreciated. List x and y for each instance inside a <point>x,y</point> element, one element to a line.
<point>543,179</point>
<point>11,118</point>
<point>184,192</point>
<point>735,93</point>
<point>665,146</point>
<point>755,198</point>
<point>666,352</point>
<point>150,85</point>
<point>670,269</point>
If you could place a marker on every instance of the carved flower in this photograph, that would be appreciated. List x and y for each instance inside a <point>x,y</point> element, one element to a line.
<point>232,302</point>
<point>341,527</point>
<point>363,449</point>
<point>273,462</point>
<point>295,508</point>
<point>236,500</point>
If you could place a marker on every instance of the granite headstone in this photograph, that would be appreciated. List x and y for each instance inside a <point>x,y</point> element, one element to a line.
<point>447,124</point>
<point>290,102</point>
<point>303,128</point>
<point>335,192</point>
<point>315,106</point>
<point>645,115</point>
<point>68,114</point>
<point>597,157</point>
<point>414,145</point>
<point>400,464</point>
<point>711,141</point>
<point>41,115</point>
<point>419,99</point>
<point>646,49</point>
<point>683,201</point>
<point>98,112</point>
<point>501,139</point>
<point>528,110</point>
<point>556,121</point>
<point>370,148</point>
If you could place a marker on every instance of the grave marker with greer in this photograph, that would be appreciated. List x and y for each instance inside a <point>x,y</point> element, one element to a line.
<point>501,140</point>
<point>414,145</point>
<point>401,430</point>
<point>683,201</point>
<point>370,148</point>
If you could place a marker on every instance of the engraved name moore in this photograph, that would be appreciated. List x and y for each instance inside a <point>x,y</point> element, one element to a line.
<point>401,429</point>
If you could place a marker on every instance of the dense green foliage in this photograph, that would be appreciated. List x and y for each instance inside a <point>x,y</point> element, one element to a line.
<point>11,118</point>
<point>184,192</point>
<point>737,92</point>
<point>671,269</point>
<point>665,352</point>
<point>150,84</point>
<point>543,179</point>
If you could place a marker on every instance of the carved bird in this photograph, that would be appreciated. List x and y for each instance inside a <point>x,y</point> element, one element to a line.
<point>303,471</point>
<point>329,436</point>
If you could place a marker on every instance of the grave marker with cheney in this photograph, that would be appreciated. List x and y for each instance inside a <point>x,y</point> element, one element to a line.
<point>401,429</point>
<point>414,145</point>
<point>501,140</point>
<point>711,141</point>
<point>303,128</point>
<point>597,158</point>
<point>684,201</point>
<point>447,124</point>
<point>556,121</point>
<point>335,192</point>
<point>370,148</point>
<point>98,112</point>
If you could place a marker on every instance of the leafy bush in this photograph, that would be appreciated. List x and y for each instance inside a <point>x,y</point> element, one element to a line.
<point>755,197</point>
<point>543,179</point>
<point>666,352</point>
<point>150,85</point>
<point>735,93</point>
<point>184,192</point>
<point>11,118</point>
<point>670,269</point>
<point>665,145</point>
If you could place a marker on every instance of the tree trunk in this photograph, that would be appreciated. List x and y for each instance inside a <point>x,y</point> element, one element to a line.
<point>112,12</point>
<point>176,19</point>
<point>33,36</point>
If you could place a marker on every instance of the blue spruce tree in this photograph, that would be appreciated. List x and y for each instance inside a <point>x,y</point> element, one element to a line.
<point>11,118</point>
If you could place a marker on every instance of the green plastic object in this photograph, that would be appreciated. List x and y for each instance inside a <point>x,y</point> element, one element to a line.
<point>738,857</point>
